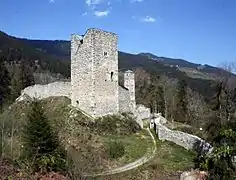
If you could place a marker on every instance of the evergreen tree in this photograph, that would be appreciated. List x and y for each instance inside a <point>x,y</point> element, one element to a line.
<point>41,145</point>
<point>223,107</point>
<point>182,101</point>
<point>160,100</point>
<point>26,75</point>
<point>5,82</point>
<point>22,77</point>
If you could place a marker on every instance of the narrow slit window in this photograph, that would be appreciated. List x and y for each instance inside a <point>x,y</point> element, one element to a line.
<point>112,76</point>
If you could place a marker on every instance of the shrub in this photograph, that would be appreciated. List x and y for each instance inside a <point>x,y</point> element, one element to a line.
<point>52,162</point>
<point>220,162</point>
<point>115,149</point>
<point>114,124</point>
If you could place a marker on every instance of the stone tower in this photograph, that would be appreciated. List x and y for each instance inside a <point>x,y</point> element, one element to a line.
<point>94,72</point>
<point>129,83</point>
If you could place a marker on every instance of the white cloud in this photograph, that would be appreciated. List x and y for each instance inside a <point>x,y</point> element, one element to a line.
<point>134,1</point>
<point>148,19</point>
<point>52,1</point>
<point>93,2</point>
<point>94,5</point>
<point>101,13</point>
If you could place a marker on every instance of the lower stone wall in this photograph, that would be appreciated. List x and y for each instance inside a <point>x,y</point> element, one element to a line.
<point>141,113</point>
<point>124,100</point>
<point>64,89</point>
<point>44,91</point>
<point>188,141</point>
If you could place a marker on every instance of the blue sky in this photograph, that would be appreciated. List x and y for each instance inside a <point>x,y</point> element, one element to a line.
<point>201,31</point>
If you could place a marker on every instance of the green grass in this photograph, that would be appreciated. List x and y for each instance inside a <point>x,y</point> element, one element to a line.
<point>146,123</point>
<point>169,159</point>
<point>136,145</point>
<point>84,139</point>
<point>88,145</point>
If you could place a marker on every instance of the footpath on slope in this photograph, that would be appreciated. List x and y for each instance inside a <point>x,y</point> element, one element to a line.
<point>139,162</point>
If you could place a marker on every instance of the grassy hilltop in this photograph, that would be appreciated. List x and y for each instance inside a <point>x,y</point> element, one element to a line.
<point>90,144</point>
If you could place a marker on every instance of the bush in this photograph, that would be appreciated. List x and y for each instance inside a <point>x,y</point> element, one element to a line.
<point>114,124</point>
<point>220,162</point>
<point>52,162</point>
<point>115,149</point>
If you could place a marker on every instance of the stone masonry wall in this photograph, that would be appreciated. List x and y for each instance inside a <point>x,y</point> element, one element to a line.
<point>45,91</point>
<point>142,112</point>
<point>185,140</point>
<point>81,72</point>
<point>124,100</point>
<point>94,72</point>
<point>105,72</point>
<point>129,83</point>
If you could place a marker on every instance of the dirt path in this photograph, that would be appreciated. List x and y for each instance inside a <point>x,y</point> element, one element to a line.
<point>139,162</point>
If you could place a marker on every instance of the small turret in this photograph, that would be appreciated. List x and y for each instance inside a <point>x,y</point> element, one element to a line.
<point>129,83</point>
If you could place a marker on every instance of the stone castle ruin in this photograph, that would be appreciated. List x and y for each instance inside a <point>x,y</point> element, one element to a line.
<point>94,75</point>
<point>94,86</point>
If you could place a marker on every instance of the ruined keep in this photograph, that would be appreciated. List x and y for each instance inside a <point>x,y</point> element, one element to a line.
<point>94,75</point>
<point>94,86</point>
<point>94,72</point>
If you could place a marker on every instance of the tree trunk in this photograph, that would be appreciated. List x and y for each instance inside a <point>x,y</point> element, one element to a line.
<point>12,135</point>
<point>2,138</point>
<point>166,108</point>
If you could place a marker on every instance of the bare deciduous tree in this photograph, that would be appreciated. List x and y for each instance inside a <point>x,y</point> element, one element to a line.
<point>197,108</point>
<point>169,86</point>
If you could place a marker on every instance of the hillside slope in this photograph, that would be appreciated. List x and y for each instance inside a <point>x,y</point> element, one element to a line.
<point>185,64</point>
<point>15,48</point>
<point>55,57</point>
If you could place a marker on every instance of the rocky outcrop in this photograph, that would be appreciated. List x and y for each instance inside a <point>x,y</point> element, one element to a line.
<point>194,175</point>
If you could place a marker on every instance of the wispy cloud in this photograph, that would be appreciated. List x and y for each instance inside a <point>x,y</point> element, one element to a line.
<point>148,19</point>
<point>84,14</point>
<point>93,2</point>
<point>101,13</point>
<point>134,1</point>
<point>51,1</point>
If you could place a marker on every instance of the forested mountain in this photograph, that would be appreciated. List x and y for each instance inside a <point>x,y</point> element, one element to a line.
<point>55,57</point>
<point>15,49</point>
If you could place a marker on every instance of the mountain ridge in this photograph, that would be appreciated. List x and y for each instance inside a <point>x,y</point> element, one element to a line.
<point>54,55</point>
<point>171,61</point>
